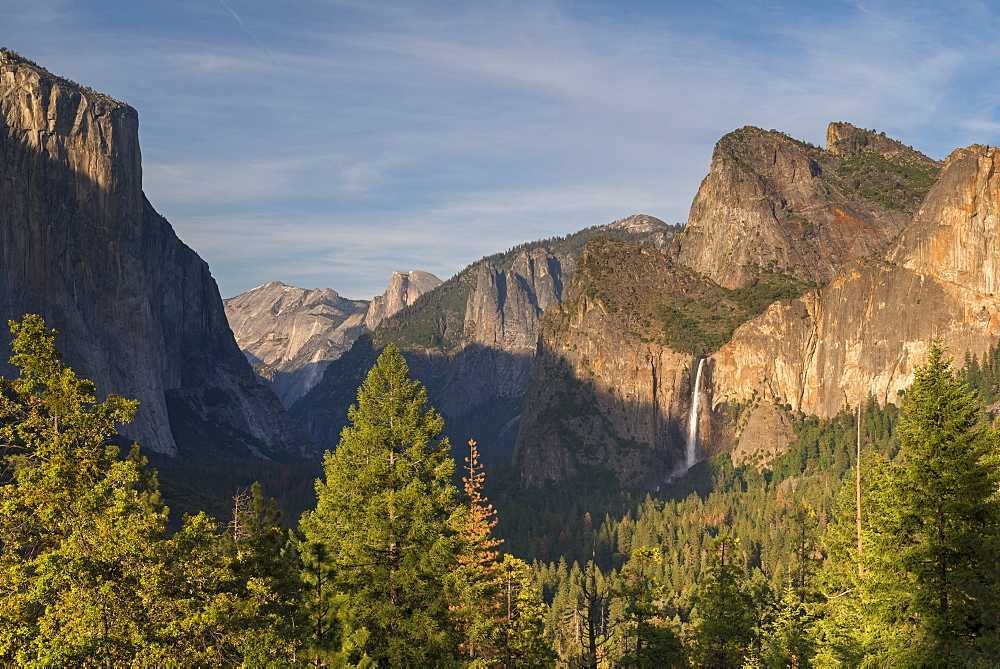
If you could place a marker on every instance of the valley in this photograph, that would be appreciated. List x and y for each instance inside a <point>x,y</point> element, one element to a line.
<point>652,408</point>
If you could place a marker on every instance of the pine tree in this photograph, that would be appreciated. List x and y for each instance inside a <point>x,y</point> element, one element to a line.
<point>476,582</point>
<point>266,581</point>
<point>646,639</point>
<point>78,526</point>
<point>724,629</point>
<point>932,541</point>
<point>523,625</point>
<point>383,515</point>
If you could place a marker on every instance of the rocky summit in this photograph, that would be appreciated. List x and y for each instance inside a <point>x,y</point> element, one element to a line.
<point>773,201</point>
<point>290,335</point>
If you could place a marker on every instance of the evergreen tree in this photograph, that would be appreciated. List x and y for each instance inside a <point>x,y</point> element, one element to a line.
<point>266,577</point>
<point>646,639</point>
<point>383,515</point>
<point>522,627</point>
<point>78,526</point>
<point>476,582</point>
<point>932,547</point>
<point>724,629</point>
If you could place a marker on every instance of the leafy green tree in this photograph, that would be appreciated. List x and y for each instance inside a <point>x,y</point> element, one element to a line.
<point>266,580</point>
<point>78,526</point>
<point>789,639</point>
<point>384,515</point>
<point>522,627</point>
<point>924,589</point>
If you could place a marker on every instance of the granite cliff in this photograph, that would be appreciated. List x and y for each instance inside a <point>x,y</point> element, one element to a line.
<point>775,324</point>
<point>403,290</point>
<point>862,334</point>
<point>137,310</point>
<point>290,335</point>
<point>772,201</point>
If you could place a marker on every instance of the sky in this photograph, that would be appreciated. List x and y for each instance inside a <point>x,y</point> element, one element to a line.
<point>326,143</point>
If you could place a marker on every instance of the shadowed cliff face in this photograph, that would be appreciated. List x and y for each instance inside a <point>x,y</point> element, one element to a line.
<point>606,390</point>
<point>769,200</point>
<point>138,311</point>
<point>471,340</point>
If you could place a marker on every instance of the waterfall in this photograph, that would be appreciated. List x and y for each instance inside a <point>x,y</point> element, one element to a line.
<point>692,442</point>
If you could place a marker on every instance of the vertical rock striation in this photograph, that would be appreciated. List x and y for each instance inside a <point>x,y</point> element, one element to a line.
<point>403,290</point>
<point>472,340</point>
<point>857,336</point>
<point>138,311</point>
<point>861,335</point>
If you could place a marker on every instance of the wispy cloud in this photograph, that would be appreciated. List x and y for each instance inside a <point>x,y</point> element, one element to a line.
<point>251,34</point>
<point>337,142</point>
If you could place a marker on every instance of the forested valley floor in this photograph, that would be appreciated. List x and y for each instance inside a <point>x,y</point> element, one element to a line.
<point>808,560</point>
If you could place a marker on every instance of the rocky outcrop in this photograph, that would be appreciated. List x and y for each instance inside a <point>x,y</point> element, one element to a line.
<point>605,391</point>
<point>857,337</point>
<point>137,310</point>
<point>861,335</point>
<point>955,237</point>
<point>290,335</point>
<point>847,141</point>
<point>404,289</point>
<point>772,201</point>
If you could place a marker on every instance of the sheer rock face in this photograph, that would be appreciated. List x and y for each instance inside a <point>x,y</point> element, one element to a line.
<point>504,308</point>
<point>862,334</point>
<point>603,391</point>
<point>956,234</point>
<point>770,200</point>
<point>290,335</point>
<point>858,336</point>
<point>404,289</point>
<point>472,340</point>
<point>138,311</point>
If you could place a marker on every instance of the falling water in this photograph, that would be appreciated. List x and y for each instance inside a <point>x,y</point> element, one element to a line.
<point>692,443</point>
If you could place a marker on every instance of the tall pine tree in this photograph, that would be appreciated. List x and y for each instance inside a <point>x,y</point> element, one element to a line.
<point>384,513</point>
<point>724,628</point>
<point>928,591</point>
<point>78,526</point>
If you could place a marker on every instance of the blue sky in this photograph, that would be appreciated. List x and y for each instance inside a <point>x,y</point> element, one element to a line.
<point>327,143</point>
